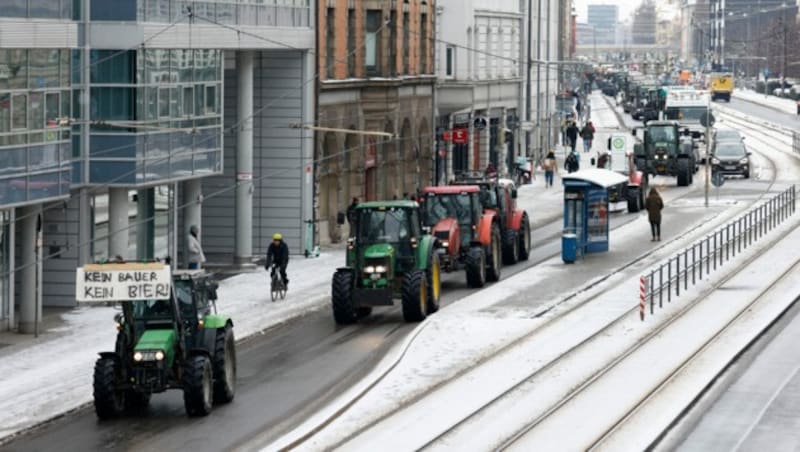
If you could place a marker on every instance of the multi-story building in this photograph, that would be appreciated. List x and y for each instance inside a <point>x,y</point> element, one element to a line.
<point>375,61</point>
<point>643,25</point>
<point>120,119</point>
<point>604,19</point>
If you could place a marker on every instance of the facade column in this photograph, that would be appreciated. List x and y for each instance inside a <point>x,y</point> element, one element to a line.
<point>244,160</point>
<point>9,269</point>
<point>192,211</point>
<point>30,306</point>
<point>145,223</point>
<point>118,223</point>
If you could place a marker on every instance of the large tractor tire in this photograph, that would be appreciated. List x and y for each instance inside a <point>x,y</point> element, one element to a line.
<point>198,385</point>
<point>510,248</point>
<point>224,365</point>
<point>683,173</point>
<point>494,260</point>
<point>524,238</point>
<point>344,311</point>
<point>476,267</point>
<point>109,401</point>
<point>433,278</point>
<point>415,296</point>
<point>634,196</point>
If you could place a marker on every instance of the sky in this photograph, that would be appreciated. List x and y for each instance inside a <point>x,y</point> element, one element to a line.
<point>625,7</point>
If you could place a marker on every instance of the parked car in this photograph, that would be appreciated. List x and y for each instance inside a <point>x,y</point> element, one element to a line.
<point>731,157</point>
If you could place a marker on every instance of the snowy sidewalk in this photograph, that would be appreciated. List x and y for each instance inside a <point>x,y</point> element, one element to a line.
<point>778,103</point>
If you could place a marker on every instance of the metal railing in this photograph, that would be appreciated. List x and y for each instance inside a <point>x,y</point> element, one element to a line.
<point>796,142</point>
<point>713,251</point>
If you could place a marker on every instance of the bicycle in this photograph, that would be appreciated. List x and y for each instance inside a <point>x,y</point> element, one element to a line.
<point>277,287</point>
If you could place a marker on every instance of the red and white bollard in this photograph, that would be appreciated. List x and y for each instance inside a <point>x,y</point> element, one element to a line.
<point>642,295</point>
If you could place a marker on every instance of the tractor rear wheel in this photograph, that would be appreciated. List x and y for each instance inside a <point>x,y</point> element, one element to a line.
<point>524,238</point>
<point>415,296</point>
<point>109,401</point>
<point>224,365</point>
<point>197,385</point>
<point>433,278</point>
<point>476,267</point>
<point>510,248</point>
<point>344,312</point>
<point>495,259</point>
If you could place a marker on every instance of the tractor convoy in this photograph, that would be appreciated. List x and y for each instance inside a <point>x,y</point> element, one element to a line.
<point>399,249</point>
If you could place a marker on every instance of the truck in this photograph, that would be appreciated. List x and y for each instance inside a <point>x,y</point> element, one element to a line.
<point>662,152</point>
<point>389,257</point>
<point>467,238</point>
<point>720,84</point>
<point>169,336</point>
<point>688,107</point>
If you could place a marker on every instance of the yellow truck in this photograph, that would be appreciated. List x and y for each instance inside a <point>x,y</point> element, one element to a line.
<point>721,85</point>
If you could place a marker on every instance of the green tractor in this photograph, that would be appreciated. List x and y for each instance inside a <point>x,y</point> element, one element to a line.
<point>388,258</point>
<point>169,337</point>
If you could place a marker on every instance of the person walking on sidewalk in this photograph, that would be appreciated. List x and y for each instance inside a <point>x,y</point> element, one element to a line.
<point>572,135</point>
<point>549,167</point>
<point>196,256</point>
<point>587,133</point>
<point>572,162</point>
<point>654,205</point>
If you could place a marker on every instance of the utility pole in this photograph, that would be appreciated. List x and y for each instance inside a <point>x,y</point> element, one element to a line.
<point>528,78</point>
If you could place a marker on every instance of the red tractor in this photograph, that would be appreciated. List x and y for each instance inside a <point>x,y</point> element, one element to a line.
<point>498,198</point>
<point>468,238</point>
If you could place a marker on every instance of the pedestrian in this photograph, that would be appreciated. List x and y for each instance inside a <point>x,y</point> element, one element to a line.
<point>587,133</point>
<point>352,215</point>
<point>654,205</point>
<point>278,254</point>
<point>572,135</point>
<point>602,159</point>
<point>572,164</point>
<point>549,166</point>
<point>196,256</point>
<point>798,107</point>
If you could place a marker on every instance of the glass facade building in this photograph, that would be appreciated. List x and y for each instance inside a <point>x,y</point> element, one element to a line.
<point>35,104</point>
<point>156,115</point>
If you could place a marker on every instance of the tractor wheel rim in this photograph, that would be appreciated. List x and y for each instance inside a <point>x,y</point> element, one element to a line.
<point>436,280</point>
<point>423,296</point>
<point>206,385</point>
<point>229,372</point>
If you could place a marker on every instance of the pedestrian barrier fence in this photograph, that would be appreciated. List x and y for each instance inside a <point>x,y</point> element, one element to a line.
<point>705,255</point>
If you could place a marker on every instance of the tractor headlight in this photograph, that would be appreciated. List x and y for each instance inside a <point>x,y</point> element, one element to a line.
<point>148,355</point>
<point>138,356</point>
<point>159,355</point>
<point>369,269</point>
<point>380,269</point>
<point>445,244</point>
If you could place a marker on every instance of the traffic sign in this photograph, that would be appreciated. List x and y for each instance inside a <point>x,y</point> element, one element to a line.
<point>618,143</point>
<point>447,135</point>
<point>460,136</point>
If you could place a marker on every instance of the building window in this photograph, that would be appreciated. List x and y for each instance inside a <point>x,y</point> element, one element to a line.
<point>330,44</point>
<point>371,42</point>
<point>351,42</point>
<point>393,43</point>
<point>450,55</point>
<point>406,45</point>
<point>423,45</point>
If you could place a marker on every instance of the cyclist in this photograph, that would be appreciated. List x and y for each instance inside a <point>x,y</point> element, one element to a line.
<point>278,255</point>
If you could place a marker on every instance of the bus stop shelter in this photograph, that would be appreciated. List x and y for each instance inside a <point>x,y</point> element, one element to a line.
<point>586,212</point>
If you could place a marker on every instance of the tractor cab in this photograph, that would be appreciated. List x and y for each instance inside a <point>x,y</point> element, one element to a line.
<point>452,213</point>
<point>169,336</point>
<point>387,235</point>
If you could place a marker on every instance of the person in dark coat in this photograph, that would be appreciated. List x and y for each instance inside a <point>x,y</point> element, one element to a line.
<point>278,254</point>
<point>352,215</point>
<point>571,163</point>
<point>572,135</point>
<point>587,133</point>
<point>654,205</point>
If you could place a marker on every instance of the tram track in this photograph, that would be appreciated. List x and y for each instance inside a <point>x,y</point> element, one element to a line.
<point>550,366</point>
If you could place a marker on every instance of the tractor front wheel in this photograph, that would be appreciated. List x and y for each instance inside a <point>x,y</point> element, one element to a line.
<point>197,385</point>
<point>415,296</point>
<point>433,277</point>
<point>495,258</point>
<point>524,239</point>
<point>109,400</point>
<point>224,365</point>
<point>476,267</point>
<point>510,248</point>
<point>344,312</point>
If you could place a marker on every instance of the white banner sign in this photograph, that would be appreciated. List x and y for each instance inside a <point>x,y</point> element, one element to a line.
<point>123,282</point>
